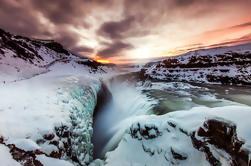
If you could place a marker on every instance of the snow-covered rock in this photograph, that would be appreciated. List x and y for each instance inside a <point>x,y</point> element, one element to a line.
<point>177,139</point>
<point>225,65</point>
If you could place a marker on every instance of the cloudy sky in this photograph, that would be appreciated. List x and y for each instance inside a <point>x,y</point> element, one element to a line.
<point>130,30</point>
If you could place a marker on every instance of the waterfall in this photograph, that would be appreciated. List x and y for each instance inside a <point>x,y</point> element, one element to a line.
<point>114,116</point>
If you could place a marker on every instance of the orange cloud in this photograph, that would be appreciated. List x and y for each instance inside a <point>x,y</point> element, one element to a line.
<point>102,60</point>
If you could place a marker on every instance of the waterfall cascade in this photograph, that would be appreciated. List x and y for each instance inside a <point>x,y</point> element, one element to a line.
<point>122,103</point>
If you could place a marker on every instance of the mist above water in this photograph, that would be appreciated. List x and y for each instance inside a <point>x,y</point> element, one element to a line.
<point>111,120</point>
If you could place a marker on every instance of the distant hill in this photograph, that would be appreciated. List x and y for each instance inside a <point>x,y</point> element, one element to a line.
<point>225,65</point>
<point>22,57</point>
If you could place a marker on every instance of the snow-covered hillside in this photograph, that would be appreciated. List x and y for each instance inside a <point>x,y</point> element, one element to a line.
<point>225,65</point>
<point>22,58</point>
<point>47,99</point>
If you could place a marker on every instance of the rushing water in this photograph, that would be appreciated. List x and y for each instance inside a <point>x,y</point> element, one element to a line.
<point>132,99</point>
<point>126,102</point>
<point>174,96</point>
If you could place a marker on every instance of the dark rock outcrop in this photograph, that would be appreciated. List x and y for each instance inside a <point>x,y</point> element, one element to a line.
<point>26,48</point>
<point>222,135</point>
<point>63,135</point>
<point>57,47</point>
<point>146,131</point>
<point>178,156</point>
<point>63,151</point>
<point>26,158</point>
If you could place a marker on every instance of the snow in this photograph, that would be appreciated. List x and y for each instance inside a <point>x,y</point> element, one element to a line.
<point>16,68</point>
<point>40,104</point>
<point>213,57</point>
<point>44,91</point>
<point>173,85</point>
<point>6,158</point>
<point>199,75</point>
<point>25,144</point>
<point>24,98</point>
<point>47,161</point>
<point>157,151</point>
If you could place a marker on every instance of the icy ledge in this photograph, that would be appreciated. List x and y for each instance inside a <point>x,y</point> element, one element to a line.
<point>202,136</point>
<point>48,118</point>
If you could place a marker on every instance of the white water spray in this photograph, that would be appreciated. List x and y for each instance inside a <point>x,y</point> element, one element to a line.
<point>110,123</point>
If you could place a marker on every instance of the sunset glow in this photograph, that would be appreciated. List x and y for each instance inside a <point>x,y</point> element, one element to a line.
<point>102,60</point>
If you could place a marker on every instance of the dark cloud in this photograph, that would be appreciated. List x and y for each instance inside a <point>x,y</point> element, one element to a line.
<point>247,24</point>
<point>132,19</point>
<point>20,20</point>
<point>114,49</point>
<point>151,13</point>
<point>115,29</point>
<point>62,11</point>
<point>198,46</point>
<point>245,38</point>
<point>83,49</point>
<point>67,38</point>
<point>243,25</point>
<point>68,11</point>
<point>183,3</point>
<point>24,18</point>
<point>140,18</point>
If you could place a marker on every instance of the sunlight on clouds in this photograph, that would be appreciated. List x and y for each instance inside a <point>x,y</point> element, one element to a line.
<point>46,22</point>
<point>127,30</point>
